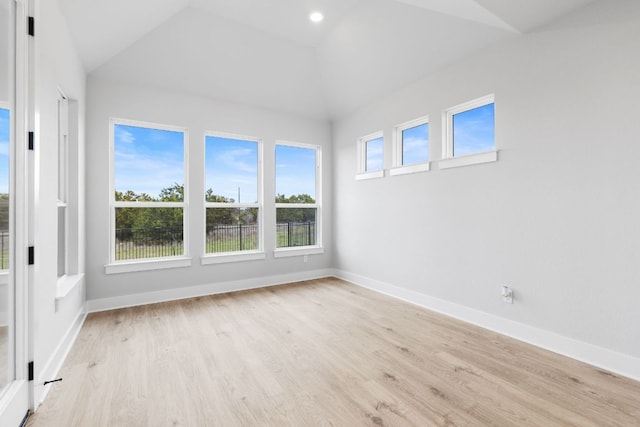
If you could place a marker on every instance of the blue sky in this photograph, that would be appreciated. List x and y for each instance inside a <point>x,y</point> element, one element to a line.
<point>147,160</point>
<point>374,154</point>
<point>415,144</point>
<point>4,150</point>
<point>474,130</point>
<point>295,171</point>
<point>232,164</point>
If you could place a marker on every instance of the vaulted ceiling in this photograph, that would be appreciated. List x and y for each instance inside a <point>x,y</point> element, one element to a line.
<point>267,53</point>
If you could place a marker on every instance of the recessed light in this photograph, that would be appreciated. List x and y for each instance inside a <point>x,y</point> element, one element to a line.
<point>316,17</point>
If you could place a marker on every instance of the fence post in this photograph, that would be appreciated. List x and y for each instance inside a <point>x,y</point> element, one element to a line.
<point>288,234</point>
<point>241,245</point>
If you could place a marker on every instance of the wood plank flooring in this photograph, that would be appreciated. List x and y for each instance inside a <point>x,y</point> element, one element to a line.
<point>319,353</point>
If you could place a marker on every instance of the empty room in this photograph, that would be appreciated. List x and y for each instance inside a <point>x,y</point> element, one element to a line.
<point>319,213</point>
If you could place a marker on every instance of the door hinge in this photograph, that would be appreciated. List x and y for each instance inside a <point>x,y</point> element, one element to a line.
<point>32,257</point>
<point>32,26</point>
<point>30,369</point>
<point>32,138</point>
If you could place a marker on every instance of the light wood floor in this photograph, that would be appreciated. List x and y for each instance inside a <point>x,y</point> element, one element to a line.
<point>319,353</point>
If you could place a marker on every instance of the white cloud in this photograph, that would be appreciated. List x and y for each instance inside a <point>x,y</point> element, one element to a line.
<point>124,136</point>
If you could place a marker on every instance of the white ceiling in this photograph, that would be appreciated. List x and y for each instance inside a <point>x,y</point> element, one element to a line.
<point>268,53</point>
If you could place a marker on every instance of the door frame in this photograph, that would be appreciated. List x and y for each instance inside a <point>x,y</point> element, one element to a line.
<point>18,397</point>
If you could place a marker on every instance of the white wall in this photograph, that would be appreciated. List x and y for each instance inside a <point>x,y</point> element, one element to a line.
<point>108,99</point>
<point>56,65</point>
<point>556,218</point>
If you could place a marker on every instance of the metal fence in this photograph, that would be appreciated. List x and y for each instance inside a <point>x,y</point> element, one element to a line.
<point>4,250</point>
<point>232,238</point>
<point>140,243</point>
<point>295,234</point>
<point>137,243</point>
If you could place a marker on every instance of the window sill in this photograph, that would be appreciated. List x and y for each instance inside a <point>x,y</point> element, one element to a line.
<point>404,170</point>
<point>297,251</point>
<point>232,257</point>
<point>370,175</point>
<point>66,284</point>
<point>471,159</point>
<point>147,265</point>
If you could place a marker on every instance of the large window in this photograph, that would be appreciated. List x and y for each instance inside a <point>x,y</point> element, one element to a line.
<point>411,147</point>
<point>148,198</point>
<point>470,133</point>
<point>298,195</point>
<point>233,193</point>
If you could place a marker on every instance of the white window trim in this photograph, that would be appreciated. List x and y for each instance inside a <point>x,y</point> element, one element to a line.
<point>447,145</point>
<point>362,173</point>
<point>300,250</point>
<point>222,257</point>
<point>147,264</point>
<point>398,149</point>
<point>144,264</point>
<point>469,159</point>
<point>225,257</point>
<point>404,170</point>
<point>297,251</point>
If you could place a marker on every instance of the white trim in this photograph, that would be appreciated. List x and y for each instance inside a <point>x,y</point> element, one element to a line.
<point>469,159</point>
<point>55,362</point>
<point>447,118</point>
<point>370,175</point>
<point>297,251</point>
<point>66,284</point>
<point>604,358</point>
<point>404,170</point>
<point>224,257</point>
<point>14,403</point>
<point>147,265</point>
<point>398,141</point>
<point>202,290</point>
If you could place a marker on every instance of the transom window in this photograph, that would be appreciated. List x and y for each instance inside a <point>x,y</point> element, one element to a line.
<point>148,197</point>
<point>470,128</point>
<point>411,146</point>
<point>371,156</point>
<point>298,195</point>
<point>233,196</point>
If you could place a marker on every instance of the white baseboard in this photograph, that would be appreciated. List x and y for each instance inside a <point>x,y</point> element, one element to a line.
<point>132,300</point>
<point>56,360</point>
<point>613,361</point>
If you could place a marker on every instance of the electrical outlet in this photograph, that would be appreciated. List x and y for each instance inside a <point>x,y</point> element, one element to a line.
<point>306,258</point>
<point>507,294</point>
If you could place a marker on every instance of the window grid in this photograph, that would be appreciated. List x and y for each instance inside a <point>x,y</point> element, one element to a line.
<point>301,226</point>
<point>166,235</point>
<point>239,224</point>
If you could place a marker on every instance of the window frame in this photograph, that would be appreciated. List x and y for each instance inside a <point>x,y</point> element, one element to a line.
<point>318,248</point>
<point>146,264</point>
<point>362,173</point>
<point>448,159</point>
<point>63,179</point>
<point>235,256</point>
<point>398,148</point>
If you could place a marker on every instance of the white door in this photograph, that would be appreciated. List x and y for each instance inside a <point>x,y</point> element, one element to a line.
<point>14,383</point>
